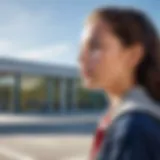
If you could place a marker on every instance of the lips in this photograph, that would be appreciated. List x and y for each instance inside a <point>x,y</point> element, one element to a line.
<point>86,73</point>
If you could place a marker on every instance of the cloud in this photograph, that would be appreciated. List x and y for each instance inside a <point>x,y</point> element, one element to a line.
<point>45,53</point>
<point>50,53</point>
<point>5,46</point>
<point>25,25</point>
<point>33,33</point>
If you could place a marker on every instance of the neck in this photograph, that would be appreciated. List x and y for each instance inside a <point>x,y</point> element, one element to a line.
<point>117,92</point>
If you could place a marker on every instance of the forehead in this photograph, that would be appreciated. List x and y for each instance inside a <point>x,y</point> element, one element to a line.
<point>93,30</point>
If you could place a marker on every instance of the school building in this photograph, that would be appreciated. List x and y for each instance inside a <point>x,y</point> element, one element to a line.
<point>43,88</point>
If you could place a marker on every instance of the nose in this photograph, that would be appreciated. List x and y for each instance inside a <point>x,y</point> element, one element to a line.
<point>83,58</point>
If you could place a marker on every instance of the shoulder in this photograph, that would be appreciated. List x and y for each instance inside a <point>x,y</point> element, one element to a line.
<point>134,124</point>
<point>126,135</point>
<point>129,135</point>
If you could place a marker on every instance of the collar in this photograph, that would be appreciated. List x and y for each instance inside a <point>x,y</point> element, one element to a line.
<point>137,99</point>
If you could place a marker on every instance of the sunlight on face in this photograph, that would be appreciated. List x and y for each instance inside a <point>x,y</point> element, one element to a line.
<point>101,59</point>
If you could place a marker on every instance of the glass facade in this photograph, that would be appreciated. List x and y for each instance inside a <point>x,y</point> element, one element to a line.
<point>31,93</point>
<point>7,82</point>
<point>69,94</point>
<point>56,94</point>
<point>90,99</point>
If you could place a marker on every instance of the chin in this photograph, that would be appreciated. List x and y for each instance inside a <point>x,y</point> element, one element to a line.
<point>88,84</point>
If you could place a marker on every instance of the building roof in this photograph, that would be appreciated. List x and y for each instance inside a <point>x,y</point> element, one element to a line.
<point>37,68</point>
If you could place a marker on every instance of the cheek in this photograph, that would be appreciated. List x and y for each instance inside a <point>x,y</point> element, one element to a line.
<point>96,57</point>
<point>100,64</point>
<point>95,60</point>
<point>110,66</point>
<point>97,64</point>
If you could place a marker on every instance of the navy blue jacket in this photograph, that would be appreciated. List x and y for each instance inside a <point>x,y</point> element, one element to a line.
<point>135,132</point>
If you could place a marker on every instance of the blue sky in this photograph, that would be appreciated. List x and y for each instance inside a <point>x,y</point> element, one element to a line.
<point>48,31</point>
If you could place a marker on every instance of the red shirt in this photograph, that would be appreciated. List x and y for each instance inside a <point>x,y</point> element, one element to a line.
<point>99,137</point>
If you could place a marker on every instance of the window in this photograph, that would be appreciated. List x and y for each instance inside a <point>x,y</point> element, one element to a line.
<point>56,94</point>
<point>7,82</point>
<point>88,99</point>
<point>33,93</point>
<point>69,94</point>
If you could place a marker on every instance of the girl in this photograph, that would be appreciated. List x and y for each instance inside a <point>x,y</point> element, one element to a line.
<point>120,54</point>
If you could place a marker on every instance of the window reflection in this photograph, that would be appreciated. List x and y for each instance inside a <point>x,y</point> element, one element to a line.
<point>56,94</point>
<point>33,93</point>
<point>6,91</point>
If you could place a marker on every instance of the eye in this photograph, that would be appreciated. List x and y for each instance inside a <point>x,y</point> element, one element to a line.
<point>94,45</point>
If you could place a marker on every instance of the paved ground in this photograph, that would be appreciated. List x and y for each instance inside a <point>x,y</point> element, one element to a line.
<point>46,138</point>
<point>35,124</point>
<point>45,147</point>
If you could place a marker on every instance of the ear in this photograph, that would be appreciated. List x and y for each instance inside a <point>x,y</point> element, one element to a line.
<point>135,55</point>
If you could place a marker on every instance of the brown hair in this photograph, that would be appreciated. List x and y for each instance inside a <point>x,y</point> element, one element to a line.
<point>133,26</point>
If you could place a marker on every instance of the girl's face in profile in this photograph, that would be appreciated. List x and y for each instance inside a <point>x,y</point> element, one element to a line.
<point>103,59</point>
